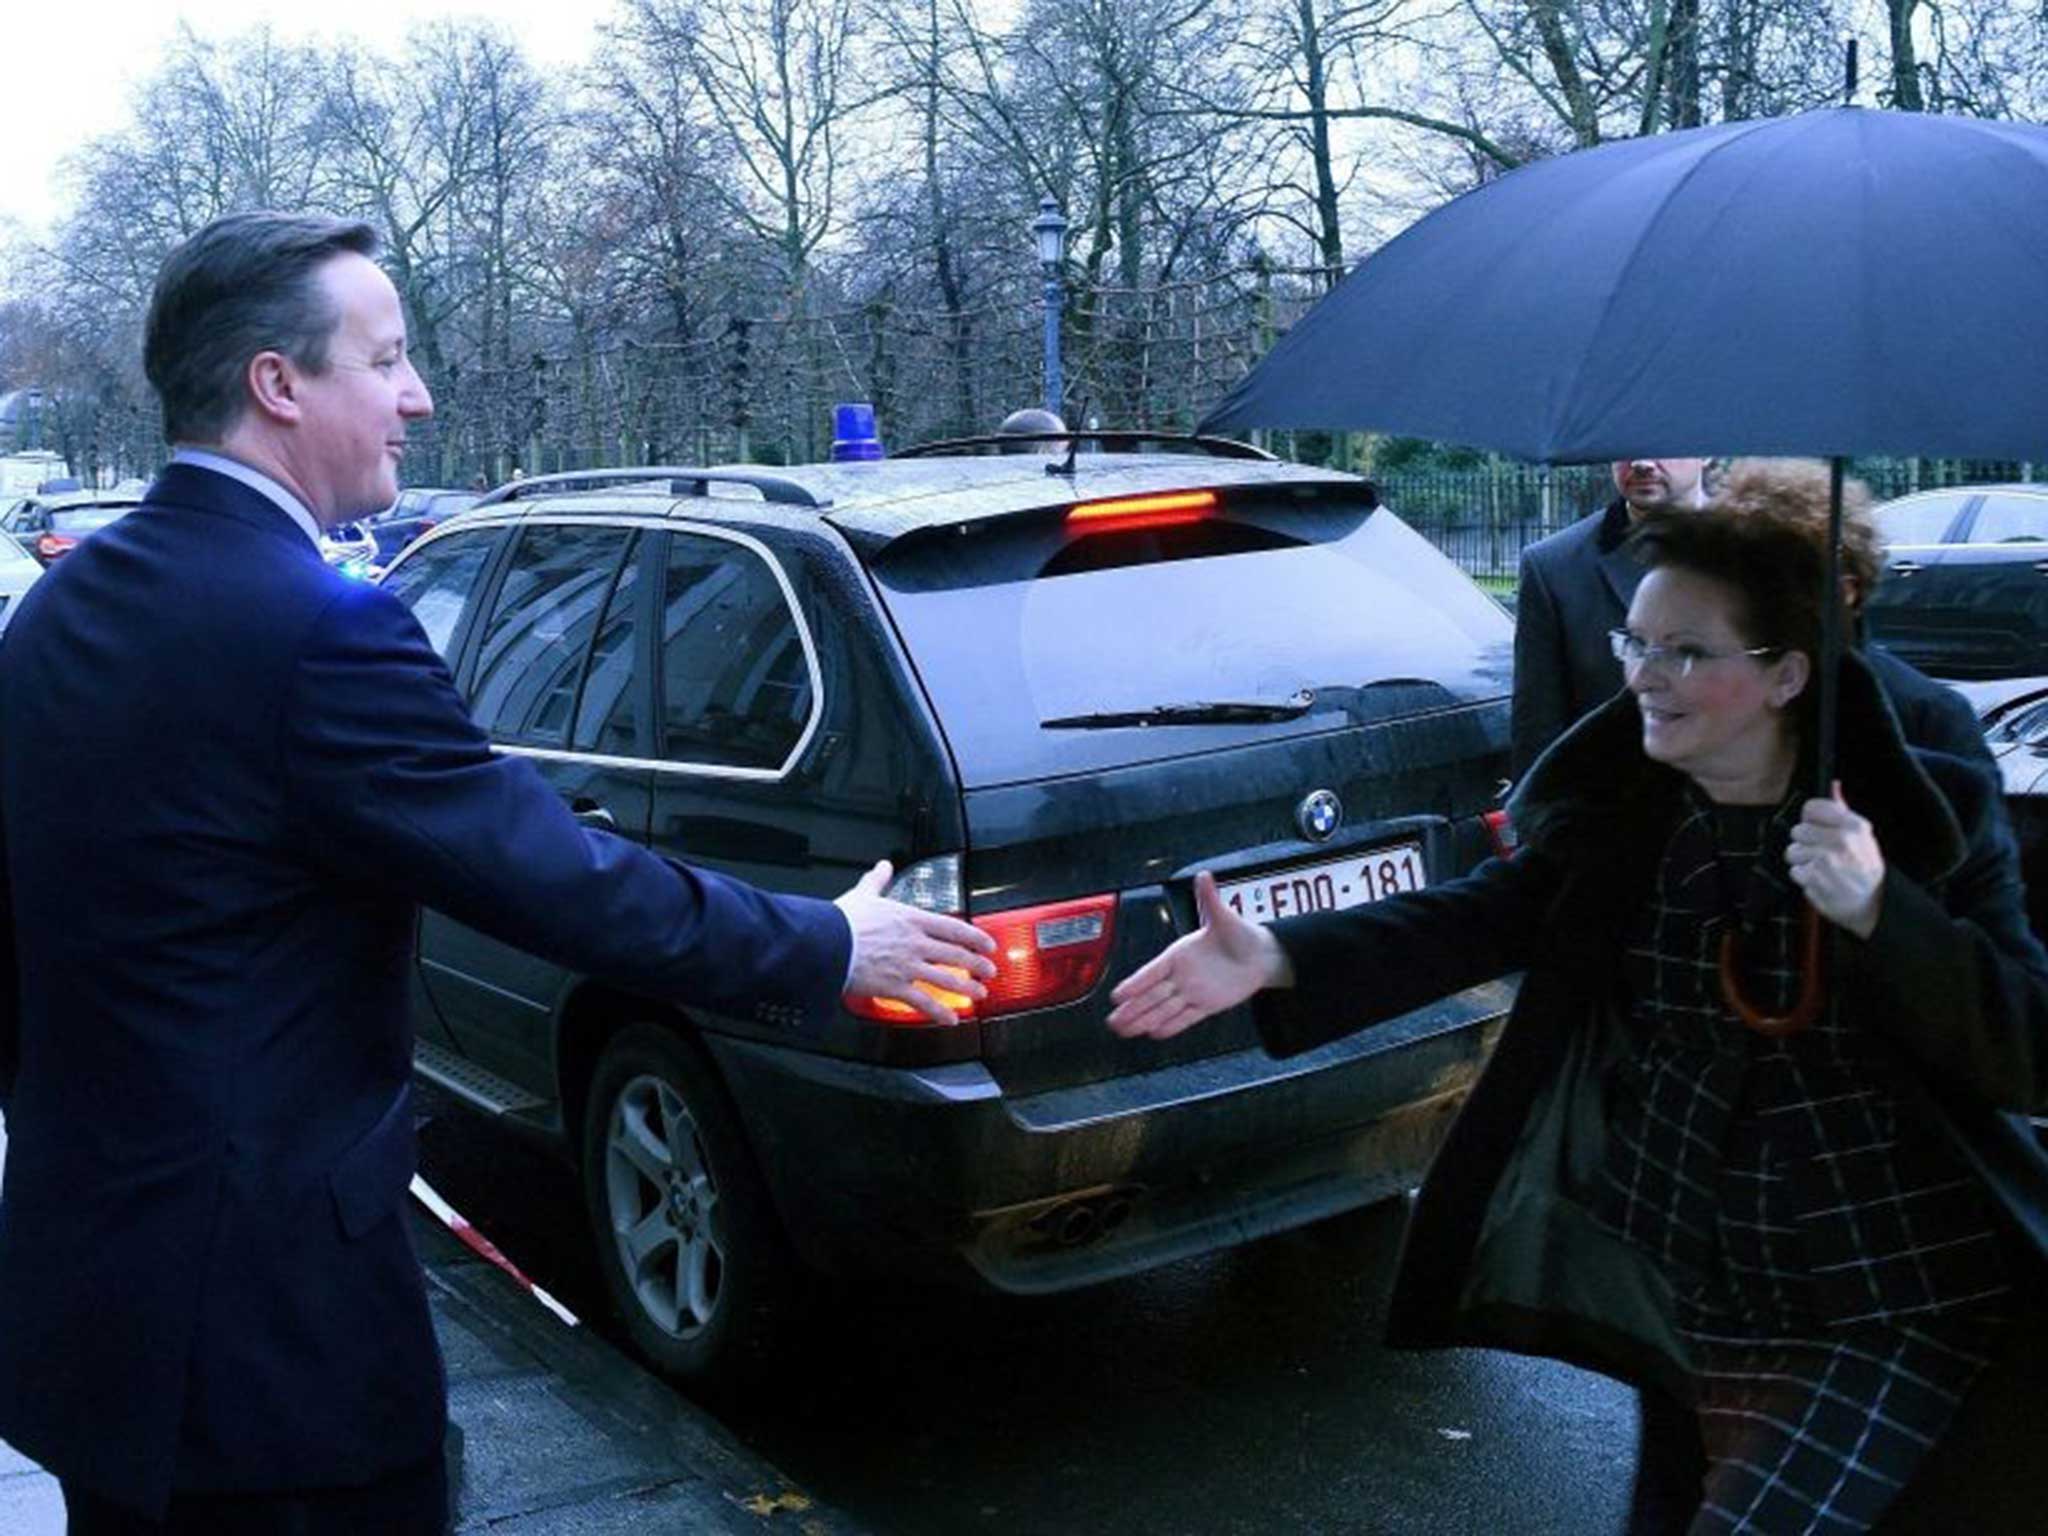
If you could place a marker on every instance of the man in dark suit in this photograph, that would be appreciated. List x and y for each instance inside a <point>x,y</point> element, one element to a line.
<point>1575,586</point>
<point>227,774</point>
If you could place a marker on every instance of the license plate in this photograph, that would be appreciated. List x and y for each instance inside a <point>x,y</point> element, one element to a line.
<point>1328,887</point>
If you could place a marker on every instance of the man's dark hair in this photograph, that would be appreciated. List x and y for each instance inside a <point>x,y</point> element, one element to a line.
<point>246,283</point>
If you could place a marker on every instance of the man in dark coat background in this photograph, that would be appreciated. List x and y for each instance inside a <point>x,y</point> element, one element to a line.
<point>1574,587</point>
<point>227,775</point>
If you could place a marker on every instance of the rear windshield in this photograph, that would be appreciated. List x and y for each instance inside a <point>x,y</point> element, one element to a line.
<point>1023,621</point>
<point>84,519</point>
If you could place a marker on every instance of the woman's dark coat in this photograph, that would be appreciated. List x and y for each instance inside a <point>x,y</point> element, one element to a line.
<point>1499,1252</point>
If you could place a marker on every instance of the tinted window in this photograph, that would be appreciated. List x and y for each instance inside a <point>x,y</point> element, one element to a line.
<point>84,519</point>
<point>736,684</point>
<point>439,583</point>
<point>1917,519</point>
<point>2011,520</point>
<point>1010,626</point>
<point>608,717</point>
<point>540,627</point>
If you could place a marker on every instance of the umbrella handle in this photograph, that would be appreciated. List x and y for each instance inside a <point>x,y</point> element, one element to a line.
<point>1812,985</point>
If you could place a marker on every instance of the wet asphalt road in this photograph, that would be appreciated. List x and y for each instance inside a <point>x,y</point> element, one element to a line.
<point>1245,1392</point>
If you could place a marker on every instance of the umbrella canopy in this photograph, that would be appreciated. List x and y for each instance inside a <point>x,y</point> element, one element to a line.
<point>1838,283</point>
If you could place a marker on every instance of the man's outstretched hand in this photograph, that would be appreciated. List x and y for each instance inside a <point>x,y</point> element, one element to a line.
<point>896,946</point>
<point>1216,967</point>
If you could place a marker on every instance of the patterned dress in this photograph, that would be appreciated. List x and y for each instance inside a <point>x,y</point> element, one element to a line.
<point>1837,1268</point>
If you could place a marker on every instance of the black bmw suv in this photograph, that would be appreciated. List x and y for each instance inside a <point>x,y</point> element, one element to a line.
<point>1049,692</point>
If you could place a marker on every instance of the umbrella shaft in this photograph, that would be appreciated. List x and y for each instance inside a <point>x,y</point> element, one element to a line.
<point>1830,637</point>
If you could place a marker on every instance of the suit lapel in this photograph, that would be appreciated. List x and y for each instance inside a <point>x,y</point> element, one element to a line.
<point>1618,568</point>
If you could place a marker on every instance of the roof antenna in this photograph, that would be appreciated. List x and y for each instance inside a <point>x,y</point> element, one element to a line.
<point>1073,445</point>
<point>1849,71</point>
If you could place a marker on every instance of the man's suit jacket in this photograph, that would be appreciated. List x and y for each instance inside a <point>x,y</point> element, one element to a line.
<point>1571,593</point>
<point>227,774</point>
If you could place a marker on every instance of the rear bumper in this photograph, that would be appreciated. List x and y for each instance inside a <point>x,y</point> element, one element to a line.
<point>936,1172</point>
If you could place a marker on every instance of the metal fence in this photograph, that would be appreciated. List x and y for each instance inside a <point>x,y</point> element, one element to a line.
<point>1483,519</point>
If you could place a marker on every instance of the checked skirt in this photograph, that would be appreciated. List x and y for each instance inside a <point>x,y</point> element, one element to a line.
<point>1838,1270</point>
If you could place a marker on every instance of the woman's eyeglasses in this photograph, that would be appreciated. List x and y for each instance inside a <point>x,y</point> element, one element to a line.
<point>1676,660</point>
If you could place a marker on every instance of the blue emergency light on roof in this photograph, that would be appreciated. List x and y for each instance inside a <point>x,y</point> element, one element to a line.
<point>853,433</point>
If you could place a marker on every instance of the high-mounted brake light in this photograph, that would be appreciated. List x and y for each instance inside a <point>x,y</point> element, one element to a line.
<point>1162,511</point>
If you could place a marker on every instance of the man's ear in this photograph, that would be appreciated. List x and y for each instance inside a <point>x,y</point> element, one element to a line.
<point>273,383</point>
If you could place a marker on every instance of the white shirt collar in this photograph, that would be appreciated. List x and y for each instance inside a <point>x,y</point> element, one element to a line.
<point>256,480</point>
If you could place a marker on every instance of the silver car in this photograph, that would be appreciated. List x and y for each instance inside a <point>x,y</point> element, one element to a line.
<point>19,570</point>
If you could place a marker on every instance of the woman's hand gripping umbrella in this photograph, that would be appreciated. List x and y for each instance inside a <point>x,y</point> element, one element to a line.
<point>1835,861</point>
<point>1216,967</point>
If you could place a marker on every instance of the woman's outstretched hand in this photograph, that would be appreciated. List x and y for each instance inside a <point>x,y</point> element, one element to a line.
<point>1835,860</point>
<point>1216,967</point>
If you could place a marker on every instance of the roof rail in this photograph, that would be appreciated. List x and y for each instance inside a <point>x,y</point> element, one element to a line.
<point>683,479</point>
<point>1215,447</point>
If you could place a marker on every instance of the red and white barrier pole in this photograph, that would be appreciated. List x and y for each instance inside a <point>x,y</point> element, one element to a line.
<point>483,1247</point>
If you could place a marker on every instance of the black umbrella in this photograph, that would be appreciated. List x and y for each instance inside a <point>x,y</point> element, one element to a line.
<point>1841,282</point>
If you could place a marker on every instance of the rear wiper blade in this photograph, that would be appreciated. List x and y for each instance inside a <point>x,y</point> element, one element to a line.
<point>1209,712</point>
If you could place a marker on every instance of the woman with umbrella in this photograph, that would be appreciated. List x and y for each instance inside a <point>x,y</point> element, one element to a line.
<point>1800,1218</point>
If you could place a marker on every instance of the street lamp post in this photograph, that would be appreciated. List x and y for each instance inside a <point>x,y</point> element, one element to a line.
<point>1050,230</point>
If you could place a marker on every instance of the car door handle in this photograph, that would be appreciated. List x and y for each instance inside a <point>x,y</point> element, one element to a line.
<point>592,814</point>
<point>1905,567</point>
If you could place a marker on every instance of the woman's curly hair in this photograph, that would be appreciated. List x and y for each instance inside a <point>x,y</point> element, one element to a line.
<point>1764,536</point>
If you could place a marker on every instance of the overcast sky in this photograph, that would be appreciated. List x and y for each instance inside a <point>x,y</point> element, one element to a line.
<point>72,64</point>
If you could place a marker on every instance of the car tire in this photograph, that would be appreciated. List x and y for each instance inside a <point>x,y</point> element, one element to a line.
<point>691,1250</point>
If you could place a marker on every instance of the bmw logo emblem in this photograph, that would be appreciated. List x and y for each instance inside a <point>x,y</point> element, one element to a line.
<point>1319,815</point>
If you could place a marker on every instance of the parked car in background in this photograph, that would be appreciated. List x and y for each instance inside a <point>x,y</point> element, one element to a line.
<point>28,471</point>
<point>350,547</point>
<point>418,510</point>
<point>18,572</point>
<point>2015,716</point>
<point>1050,698</point>
<point>51,526</point>
<point>1965,589</point>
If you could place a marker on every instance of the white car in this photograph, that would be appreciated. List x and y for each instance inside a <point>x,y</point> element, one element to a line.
<point>351,548</point>
<point>19,570</point>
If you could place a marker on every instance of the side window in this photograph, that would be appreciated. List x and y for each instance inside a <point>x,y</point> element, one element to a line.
<point>1918,519</point>
<point>736,684</point>
<point>439,583</point>
<point>540,627</point>
<point>2011,520</point>
<point>608,718</point>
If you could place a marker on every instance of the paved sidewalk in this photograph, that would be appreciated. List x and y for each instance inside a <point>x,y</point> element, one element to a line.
<point>563,1435</point>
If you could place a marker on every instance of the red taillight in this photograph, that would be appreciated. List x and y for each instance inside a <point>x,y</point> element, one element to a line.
<point>1505,844</point>
<point>1044,956</point>
<point>886,1010</point>
<point>50,545</point>
<point>1161,511</point>
<point>1050,954</point>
